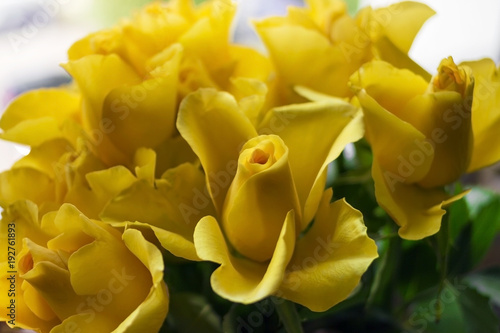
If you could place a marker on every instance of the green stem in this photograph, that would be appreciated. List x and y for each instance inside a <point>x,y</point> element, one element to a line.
<point>288,315</point>
<point>381,288</point>
<point>443,249</point>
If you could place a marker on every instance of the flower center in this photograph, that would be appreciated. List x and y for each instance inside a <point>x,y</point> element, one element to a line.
<point>259,156</point>
<point>26,263</point>
<point>450,77</point>
<point>259,198</point>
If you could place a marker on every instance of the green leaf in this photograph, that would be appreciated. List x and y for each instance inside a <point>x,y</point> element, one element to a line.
<point>477,198</point>
<point>422,317</point>
<point>417,270</point>
<point>461,309</point>
<point>484,229</point>
<point>460,261</point>
<point>477,312</point>
<point>382,287</point>
<point>487,283</point>
<point>191,312</point>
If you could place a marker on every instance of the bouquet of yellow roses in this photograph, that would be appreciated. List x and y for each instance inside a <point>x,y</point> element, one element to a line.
<point>184,183</point>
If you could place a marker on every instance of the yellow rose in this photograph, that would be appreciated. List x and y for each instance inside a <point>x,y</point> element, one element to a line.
<point>263,174</point>
<point>116,194</point>
<point>267,189</point>
<point>321,46</point>
<point>42,115</point>
<point>421,136</point>
<point>203,32</point>
<point>133,76</point>
<point>47,165</point>
<point>59,170</point>
<point>122,111</point>
<point>485,113</point>
<point>49,120</point>
<point>169,206</point>
<point>76,274</point>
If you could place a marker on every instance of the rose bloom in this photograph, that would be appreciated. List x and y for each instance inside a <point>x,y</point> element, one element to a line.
<point>133,76</point>
<point>275,231</point>
<point>80,275</point>
<point>432,124</point>
<point>321,46</point>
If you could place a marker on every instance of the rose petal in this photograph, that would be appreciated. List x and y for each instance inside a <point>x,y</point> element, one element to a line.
<point>215,128</point>
<point>241,280</point>
<point>330,259</point>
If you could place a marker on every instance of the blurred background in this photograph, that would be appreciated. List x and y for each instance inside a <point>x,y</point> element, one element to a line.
<point>35,35</point>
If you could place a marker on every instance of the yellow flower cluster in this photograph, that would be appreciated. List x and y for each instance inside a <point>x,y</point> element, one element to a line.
<point>172,138</point>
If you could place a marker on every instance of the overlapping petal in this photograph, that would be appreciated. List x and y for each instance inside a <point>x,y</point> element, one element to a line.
<point>261,195</point>
<point>315,134</point>
<point>416,210</point>
<point>394,156</point>
<point>97,76</point>
<point>13,186</point>
<point>434,142</point>
<point>326,64</point>
<point>208,119</point>
<point>485,113</point>
<point>239,279</point>
<point>401,22</point>
<point>330,259</point>
<point>84,274</point>
<point>170,206</point>
<point>143,115</point>
<point>41,115</point>
<point>332,45</point>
